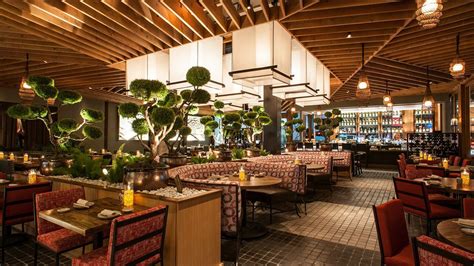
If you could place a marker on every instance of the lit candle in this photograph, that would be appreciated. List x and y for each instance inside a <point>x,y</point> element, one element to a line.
<point>32,176</point>
<point>2,155</point>
<point>138,153</point>
<point>425,156</point>
<point>128,195</point>
<point>242,176</point>
<point>445,164</point>
<point>430,158</point>
<point>90,150</point>
<point>297,160</point>
<point>12,156</point>
<point>103,151</point>
<point>465,177</point>
<point>25,157</point>
<point>421,154</point>
<point>286,150</point>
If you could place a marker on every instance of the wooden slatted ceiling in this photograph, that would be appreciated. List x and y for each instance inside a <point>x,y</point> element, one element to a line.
<point>81,35</point>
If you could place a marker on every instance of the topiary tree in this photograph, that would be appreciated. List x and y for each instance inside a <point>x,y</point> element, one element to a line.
<point>325,126</point>
<point>64,132</point>
<point>229,125</point>
<point>254,120</point>
<point>163,114</point>
<point>294,124</point>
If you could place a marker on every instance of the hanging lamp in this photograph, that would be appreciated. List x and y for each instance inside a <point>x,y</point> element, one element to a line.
<point>387,98</point>
<point>428,99</point>
<point>25,92</point>
<point>457,66</point>
<point>429,13</point>
<point>363,86</point>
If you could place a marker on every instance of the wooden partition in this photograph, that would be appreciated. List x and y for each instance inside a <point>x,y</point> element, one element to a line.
<point>193,231</point>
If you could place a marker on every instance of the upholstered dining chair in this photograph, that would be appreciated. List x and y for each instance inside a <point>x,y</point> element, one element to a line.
<point>457,161</point>
<point>429,251</point>
<point>322,176</point>
<point>451,159</point>
<point>18,207</point>
<point>51,236</point>
<point>468,208</point>
<point>416,200</point>
<point>392,234</point>
<point>135,239</point>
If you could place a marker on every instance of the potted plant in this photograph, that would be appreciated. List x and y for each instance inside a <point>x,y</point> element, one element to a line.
<point>295,124</point>
<point>65,133</point>
<point>254,121</point>
<point>325,126</point>
<point>187,105</point>
<point>228,126</point>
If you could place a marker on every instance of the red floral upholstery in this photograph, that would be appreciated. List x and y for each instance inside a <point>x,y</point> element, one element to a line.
<point>125,230</point>
<point>451,159</point>
<point>62,240</point>
<point>433,252</point>
<point>51,200</point>
<point>468,204</point>
<point>345,155</point>
<point>457,161</point>
<point>466,162</point>
<point>393,234</point>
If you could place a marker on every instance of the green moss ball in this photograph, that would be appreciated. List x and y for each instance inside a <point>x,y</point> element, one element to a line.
<point>67,125</point>
<point>218,104</point>
<point>162,116</point>
<point>128,110</point>
<point>198,76</point>
<point>185,131</point>
<point>91,115</point>
<point>193,110</point>
<point>187,95</point>
<point>69,97</point>
<point>205,119</point>
<point>35,81</point>
<point>46,92</point>
<point>19,111</point>
<point>91,132</point>
<point>264,120</point>
<point>212,125</point>
<point>140,126</point>
<point>201,96</point>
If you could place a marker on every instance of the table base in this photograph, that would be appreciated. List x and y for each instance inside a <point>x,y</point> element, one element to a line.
<point>253,230</point>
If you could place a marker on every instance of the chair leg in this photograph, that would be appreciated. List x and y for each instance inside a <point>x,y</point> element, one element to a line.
<point>253,211</point>
<point>428,226</point>
<point>57,259</point>
<point>36,254</point>
<point>408,218</point>
<point>23,228</point>
<point>271,210</point>
<point>83,249</point>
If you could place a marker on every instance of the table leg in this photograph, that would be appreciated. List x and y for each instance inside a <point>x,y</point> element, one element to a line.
<point>250,230</point>
<point>98,240</point>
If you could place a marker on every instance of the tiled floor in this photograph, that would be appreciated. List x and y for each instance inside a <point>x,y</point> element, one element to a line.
<point>338,229</point>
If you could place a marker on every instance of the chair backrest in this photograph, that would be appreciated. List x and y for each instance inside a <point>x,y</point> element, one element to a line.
<point>457,161</point>
<point>451,159</point>
<point>391,227</point>
<point>424,171</point>
<point>466,162</point>
<point>138,238</point>
<point>7,167</point>
<point>429,251</point>
<point>18,202</point>
<point>468,208</point>
<point>413,195</point>
<point>401,169</point>
<point>51,200</point>
<point>402,156</point>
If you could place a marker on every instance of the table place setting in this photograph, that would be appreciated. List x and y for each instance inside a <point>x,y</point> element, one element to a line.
<point>82,204</point>
<point>467,226</point>
<point>108,214</point>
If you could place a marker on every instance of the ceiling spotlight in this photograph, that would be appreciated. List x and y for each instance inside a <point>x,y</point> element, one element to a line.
<point>349,35</point>
<point>293,109</point>
<point>44,61</point>
<point>249,7</point>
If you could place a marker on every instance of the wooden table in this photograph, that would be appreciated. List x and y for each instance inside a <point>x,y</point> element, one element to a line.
<point>85,221</point>
<point>254,229</point>
<point>450,232</point>
<point>314,167</point>
<point>451,185</point>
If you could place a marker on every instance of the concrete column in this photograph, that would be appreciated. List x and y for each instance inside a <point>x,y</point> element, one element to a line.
<point>464,123</point>
<point>272,132</point>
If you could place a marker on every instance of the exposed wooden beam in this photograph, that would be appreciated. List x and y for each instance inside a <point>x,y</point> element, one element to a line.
<point>248,9</point>
<point>186,17</point>
<point>214,11</point>
<point>231,12</point>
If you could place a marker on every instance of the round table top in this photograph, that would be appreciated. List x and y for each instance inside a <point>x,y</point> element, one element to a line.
<point>450,231</point>
<point>257,182</point>
<point>450,184</point>
<point>314,167</point>
<point>451,168</point>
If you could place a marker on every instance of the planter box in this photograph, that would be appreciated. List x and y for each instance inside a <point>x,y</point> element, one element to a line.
<point>193,230</point>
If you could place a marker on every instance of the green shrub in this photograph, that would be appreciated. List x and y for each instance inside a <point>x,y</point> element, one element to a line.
<point>91,115</point>
<point>185,131</point>
<point>232,117</point>
<point>19,111</point>
<point>198,76</point>
<point>38,112</point>
<point>212,125</point>
<point>218,104</point>
<point>219,114</point>
<point>69,97</point>
<point>205,119</point>
<point>128,110</point>
<point>251,115</point>
<point>46,91</point>
<point>35,81</point>
<point>178,123</point>
<point>193,110</point>
<point>140,126</point>
<point>91,132</point>
<point>187,95</point>
<point>162,116</point>
<point>67,125</point>
<point>145,89</point>
<point>237,153</point>
<point>201,96</point>
<point>264,120</point>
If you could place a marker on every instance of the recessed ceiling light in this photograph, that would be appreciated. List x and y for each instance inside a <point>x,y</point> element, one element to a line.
<point>44,61</point>
<point>349,35</point>
<point>347,91</point>
<point>249,7</point>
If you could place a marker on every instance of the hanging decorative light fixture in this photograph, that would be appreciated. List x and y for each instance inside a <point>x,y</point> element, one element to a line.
<point>363,86</point>
<point>428,99</point>
<point>457,66</point>
<point>387,98</point>
<point>429,13</point>
<point>25,92</point>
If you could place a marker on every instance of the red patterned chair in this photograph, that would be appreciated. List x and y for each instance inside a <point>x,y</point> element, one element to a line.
<point>451,159</point>
<point>466,162</point>
<point>51,236</point>
<point>429,251</point>
<point>457,161</point>
<point>392,234</point>
<point>468,208</point>
<point>416,200</point>
<point>17,208</point>
<point>135,239</point>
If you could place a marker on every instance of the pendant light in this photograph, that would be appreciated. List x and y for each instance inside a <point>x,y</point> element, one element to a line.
<point>428,99</point>
<point>25,92</point>
<point>387,98</point>
<point>429,13</point>
<point>363,86</point>
<point>457,66</point>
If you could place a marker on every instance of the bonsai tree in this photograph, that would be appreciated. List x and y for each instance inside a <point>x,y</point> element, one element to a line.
<point>325,126</point>
<point>290,126</point>
<point>65,132</point>
<point>229,124</point>
<point>254,120</point>
<point>163,114</point>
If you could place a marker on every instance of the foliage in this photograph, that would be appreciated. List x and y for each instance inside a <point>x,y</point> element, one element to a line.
<point>163,114</point>
<point>85,166</point>
<point>237,153</point>
<point>325,126</point>
<point>263,152</point>
<point>295,124</point>
<point>254,120</point>
<point>60,132</point>
<point>202,160</point>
